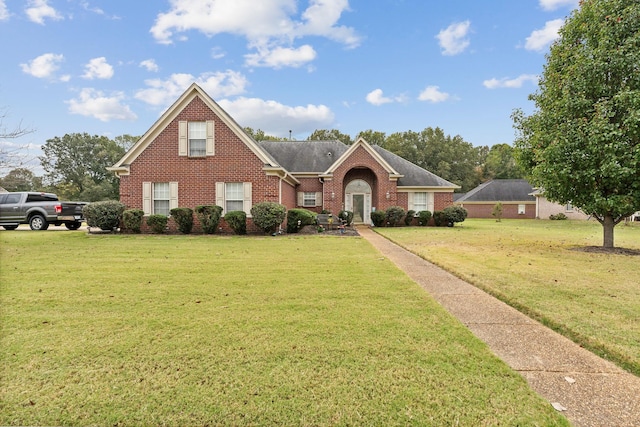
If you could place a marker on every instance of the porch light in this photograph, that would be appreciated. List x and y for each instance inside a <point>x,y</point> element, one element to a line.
<point>333,195</point>
<point>388,195</point>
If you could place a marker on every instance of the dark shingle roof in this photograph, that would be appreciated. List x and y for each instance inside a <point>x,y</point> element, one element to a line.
<point>414,175</point>
<point>500,190</point>
<point>304,156</point>
<point>318,156</point>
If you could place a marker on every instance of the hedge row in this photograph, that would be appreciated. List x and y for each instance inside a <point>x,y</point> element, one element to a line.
<point>268,216</point>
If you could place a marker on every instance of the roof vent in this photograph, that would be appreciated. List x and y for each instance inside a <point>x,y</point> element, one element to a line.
<point>329,154</point>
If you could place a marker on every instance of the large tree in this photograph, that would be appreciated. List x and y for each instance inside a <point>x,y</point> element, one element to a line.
<point>500,163</point>
<point>330,135</point>
<point>76,166</point>
<point>582,142</point>
<point>21,179</point>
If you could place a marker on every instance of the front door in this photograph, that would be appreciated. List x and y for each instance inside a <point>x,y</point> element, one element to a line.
<point>358,201</point>
<point>358,208</point>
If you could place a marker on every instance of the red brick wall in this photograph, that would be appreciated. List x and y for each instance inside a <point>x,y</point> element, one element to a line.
<point>509,211</point>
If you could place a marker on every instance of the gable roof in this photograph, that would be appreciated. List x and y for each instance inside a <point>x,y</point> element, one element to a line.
<point>500,190</point>
<point>323,157</point>
<point>122,166</point>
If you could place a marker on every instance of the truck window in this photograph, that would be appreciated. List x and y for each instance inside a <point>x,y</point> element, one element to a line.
<point>11,199</point>
<point>41,198</point>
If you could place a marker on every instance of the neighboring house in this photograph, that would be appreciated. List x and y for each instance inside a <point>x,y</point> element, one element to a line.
<point>196,154</point>
<point>514,195</point>
<point>545,208</point>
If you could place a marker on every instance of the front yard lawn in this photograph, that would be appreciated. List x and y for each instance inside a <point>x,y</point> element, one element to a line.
<point>208,330</point>
<point>540,267</point>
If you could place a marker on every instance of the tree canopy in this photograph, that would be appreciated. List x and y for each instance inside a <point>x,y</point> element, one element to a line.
<point>582,143</point>
<point>75,165</point>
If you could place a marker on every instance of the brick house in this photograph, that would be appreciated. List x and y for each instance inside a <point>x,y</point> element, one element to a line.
<point>515,195</point>
<point>196,154</point>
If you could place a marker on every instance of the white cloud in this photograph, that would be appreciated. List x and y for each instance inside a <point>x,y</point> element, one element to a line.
<point>38,10</point>
<point>377,98</point>
<point>433,94</point>
<point>556,4</point>
<point>510,83</point>
<point>44,66</point>
<point>269,26</point>
<point>453,39</point>
<point>219,84</point>
<point>540,39</point>
<point>94,103</point>
<point>98,68</point>
<point>4,12</point>
<point>277,119</point>
<point>279,57</point>
<point>150,65</point>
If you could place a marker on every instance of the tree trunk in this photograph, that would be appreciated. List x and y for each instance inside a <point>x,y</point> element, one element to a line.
<point>607,228</point>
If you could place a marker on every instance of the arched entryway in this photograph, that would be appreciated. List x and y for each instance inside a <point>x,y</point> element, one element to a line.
<point>357,196</point>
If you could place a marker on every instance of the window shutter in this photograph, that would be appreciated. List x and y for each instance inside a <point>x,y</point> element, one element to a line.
<point>300,198</point>
<point>173,195</point>
<point>430,202</point>
<point>410,201</point>
<point>247,198</point>
<point>183,148</point>
<point>146,198</point>
<point>318,198</point>
<point>210,138</point>
<point>220,194</point>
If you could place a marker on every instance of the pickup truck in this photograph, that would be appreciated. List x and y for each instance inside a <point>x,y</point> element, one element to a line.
<point>38,210</point>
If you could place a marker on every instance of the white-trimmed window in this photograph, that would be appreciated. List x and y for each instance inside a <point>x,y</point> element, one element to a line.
<point>309,199</point>
<point>421,201</point>
<point>522,209</point>
<point>159,197</point>
<point>568,207</point>
<point>197,139</point>
<point>234,196</point>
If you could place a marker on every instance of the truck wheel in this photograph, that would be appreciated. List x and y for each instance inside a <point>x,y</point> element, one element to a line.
<point>72,225</point>
<point>37,222</point>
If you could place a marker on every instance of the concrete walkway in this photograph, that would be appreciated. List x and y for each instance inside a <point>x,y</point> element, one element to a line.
<point>588,390</point>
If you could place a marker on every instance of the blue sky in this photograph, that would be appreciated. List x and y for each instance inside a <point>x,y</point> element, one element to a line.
<point>111,67</point>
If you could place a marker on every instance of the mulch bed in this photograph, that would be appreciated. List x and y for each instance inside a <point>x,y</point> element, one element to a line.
<point>313,229</point>
<point>603,250</point>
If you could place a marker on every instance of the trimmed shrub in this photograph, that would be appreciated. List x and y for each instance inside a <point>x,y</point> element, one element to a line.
<point>394,215</point>
<point>237,220</point>
<point>209,217</point>
<point>268,216</point>
<point>346,216</point>
<point>157,223</point>
<point>183,218</point>
<point>298,218</point>
<point>440,219</point>
<point>132,219</point>
<point>423,218</point>
<point>106,215</point>
<point>378,217</point>
<point>455,214</point>
<point>408,219</point>
<point>558,217</point>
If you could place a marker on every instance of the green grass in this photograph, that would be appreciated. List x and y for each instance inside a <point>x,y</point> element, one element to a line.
<point>592,298</point>
<point>201,330</point>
